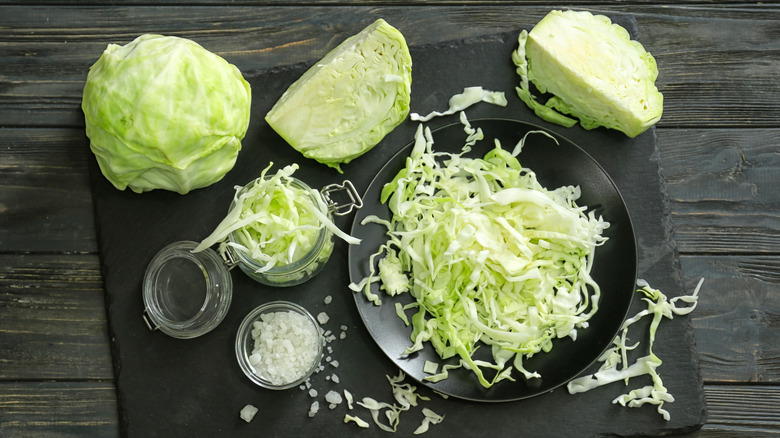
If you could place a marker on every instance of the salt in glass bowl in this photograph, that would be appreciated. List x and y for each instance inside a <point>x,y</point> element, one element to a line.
<point>245,344</point>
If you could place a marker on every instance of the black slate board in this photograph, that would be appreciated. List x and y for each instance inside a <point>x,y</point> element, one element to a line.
<point>169,387</point>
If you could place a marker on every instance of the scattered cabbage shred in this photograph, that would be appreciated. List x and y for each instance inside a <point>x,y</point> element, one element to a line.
<point>459,102</point>
<point>615,365</point>
<point>405,396</point>
<point>488,254</point>
<point>594,71</point>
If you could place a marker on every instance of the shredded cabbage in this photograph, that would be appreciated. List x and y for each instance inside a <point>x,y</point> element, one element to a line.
<point>488,254</point>
<point>406,397</point>
<point>359,421</point>
<point>429,418</point>
<point>470,96</point>
<point>611,371</point>
<point>274,221</point>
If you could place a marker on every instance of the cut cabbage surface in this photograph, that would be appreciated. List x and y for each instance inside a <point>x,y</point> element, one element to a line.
<point>595,72</point>
<point>347,102</point>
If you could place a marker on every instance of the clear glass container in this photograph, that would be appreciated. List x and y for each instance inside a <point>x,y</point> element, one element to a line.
<point>186,294</point>
<point>245,345</point>
<point>300,270</point>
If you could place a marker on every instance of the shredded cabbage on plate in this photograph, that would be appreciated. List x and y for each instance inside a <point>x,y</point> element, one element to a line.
<point>491,257</point>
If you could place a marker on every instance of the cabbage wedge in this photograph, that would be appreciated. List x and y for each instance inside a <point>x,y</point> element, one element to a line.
<point>594,71</point>
<point>346,103</point>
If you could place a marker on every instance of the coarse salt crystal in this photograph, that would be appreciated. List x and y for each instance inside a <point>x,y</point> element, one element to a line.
<point>286,346</point>
<point>315,406</point>
<point>248,413</point>
<point>333,397</point>
<point>322,317</point>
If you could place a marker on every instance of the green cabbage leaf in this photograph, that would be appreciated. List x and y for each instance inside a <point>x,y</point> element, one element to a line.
<point>346,103</point>
<point>594,71</point>
<point>162,112</point>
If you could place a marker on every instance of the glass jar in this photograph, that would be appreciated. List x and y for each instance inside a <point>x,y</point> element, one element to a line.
<point>299,369</point>
<point>186,294</point>
<point>298,271</point>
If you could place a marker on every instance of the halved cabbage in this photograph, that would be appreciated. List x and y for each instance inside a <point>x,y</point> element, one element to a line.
<point>162,112</point>
<point>346,103</point>
<point>593,69</point>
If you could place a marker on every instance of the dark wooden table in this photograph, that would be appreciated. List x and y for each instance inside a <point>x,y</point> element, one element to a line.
<point>719,141</point>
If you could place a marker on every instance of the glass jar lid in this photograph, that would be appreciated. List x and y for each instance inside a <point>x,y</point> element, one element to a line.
<point>186,294</point>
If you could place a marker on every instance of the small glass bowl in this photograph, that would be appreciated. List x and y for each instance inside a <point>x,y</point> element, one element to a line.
<point>298,271</point>
<point>186,294</point>
<point>245,344</point>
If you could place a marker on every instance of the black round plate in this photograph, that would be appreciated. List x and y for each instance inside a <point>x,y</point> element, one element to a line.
<point>614,266</point>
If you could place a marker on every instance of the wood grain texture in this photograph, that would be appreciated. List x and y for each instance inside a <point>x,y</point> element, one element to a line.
<point>54,318</point>
<point>58,409</point>
<point>718,141</point>
<point>723,189</point>
<point>738,316</point>
<point>740,410</point>
<point>709,77</point>
<point>45,200</point>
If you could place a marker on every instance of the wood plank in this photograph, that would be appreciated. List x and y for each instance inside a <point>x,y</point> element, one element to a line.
<point>380,2</point>
<point>45,199</point>
<point>54,318</point>
<point>736,321</point>
<point>741,410</point>
<point>58,409</point>
<point>722,185</point>
<point>715,78</point>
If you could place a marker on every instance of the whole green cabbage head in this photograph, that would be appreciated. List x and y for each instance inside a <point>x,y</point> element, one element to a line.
<point>162,112</point>
<point>346,103</point>
<point>594,71</point>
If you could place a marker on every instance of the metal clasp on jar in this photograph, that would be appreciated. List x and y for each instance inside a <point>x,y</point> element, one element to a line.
<point>353,201</point>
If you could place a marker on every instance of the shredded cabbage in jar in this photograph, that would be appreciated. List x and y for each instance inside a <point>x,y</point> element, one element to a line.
<point>274,221</point>
<point>489,255</point>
